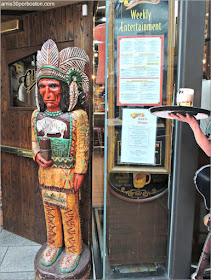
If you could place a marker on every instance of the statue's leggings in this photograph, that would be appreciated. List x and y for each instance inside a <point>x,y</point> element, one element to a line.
<point>70,220</point>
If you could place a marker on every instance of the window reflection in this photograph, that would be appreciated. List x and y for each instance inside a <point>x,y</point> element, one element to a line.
<point>22,82</point>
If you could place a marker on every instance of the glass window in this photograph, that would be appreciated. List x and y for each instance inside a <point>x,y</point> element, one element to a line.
<point>140,40</point>
<point>22,82</point>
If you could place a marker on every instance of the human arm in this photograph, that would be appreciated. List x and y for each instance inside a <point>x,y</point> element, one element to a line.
<point>201,139</point>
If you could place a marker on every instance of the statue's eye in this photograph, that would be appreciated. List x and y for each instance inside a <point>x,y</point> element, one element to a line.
<point>53,85</point>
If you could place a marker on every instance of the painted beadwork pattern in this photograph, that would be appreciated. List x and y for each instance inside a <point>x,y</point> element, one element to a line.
<point>69,260</point>
<point>60,162</point>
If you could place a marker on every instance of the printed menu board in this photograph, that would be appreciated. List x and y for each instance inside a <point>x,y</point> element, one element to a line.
<point>138,136</point>
<point>140,69</point>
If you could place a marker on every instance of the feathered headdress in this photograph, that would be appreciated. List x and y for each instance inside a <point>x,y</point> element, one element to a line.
<point>70,65</point>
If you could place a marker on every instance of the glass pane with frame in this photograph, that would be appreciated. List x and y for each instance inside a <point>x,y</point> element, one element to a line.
<point>140,55</point>
<point>22,82</point>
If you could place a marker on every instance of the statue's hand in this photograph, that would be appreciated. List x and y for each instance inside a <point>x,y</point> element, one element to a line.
<point>41,161</point>
<point>78,179</point>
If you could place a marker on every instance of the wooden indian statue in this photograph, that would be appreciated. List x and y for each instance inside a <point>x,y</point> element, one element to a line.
<point>60,145</point>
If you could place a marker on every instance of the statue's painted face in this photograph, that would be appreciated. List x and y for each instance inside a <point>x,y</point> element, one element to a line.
<point>50,90</point>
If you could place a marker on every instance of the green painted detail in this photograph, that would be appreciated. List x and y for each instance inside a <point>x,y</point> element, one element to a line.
<point>71,135</point>
<point>83,129</point>
<point>67,177</point>
<point>51,77</point>
<point>59,162</point>
<point>83,163</point>
<point>74,74</point>
<point>53,197</point>
<point>59,147</point>
<point>35,128</point>
<point>53,114</point>
<point>53,67</point>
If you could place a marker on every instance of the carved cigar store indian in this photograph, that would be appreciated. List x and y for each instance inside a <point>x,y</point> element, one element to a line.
<point>60,145</point>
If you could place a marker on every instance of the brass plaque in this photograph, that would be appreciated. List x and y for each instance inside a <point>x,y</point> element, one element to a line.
<point>10,26</point>
<point>138,187</point>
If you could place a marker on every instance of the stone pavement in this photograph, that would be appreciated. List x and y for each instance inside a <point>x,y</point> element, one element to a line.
<point>17,256</point>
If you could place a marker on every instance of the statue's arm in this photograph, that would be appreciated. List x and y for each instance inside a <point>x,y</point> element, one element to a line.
<point>35,146</point>
<point>82,149</point>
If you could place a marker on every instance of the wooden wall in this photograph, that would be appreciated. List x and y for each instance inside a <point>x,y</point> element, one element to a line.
<point>137,232</point>
<point>22,206</point>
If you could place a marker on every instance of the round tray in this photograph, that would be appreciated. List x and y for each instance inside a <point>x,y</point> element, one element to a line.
<point>164,111</point>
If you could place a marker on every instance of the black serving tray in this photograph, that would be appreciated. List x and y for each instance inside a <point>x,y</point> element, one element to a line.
<point>164,111</point>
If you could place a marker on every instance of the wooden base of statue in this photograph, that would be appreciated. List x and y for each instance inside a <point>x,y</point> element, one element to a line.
<point>82,271</point>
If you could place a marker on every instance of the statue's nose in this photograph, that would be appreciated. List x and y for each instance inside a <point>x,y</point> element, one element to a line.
<point>47,92</point>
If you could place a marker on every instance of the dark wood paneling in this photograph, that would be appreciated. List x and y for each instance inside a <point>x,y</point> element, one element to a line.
<point>46,26</point>
<point>22,203</point>
<point>23,38</point>
<point>32,207</point>
<point>25,124</point>
<point>14,197</point>
<point>14,55</point>
<point>137,232</point>
<point>12,126</point>
<point>4,75</point>
<point>23,212</point>
<point>82,28</point>
<point>11,41</point>
<point>53,22</point>
<point>35,27</point>
<point>68,22</point>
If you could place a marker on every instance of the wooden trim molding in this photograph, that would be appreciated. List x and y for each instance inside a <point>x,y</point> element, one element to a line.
<point>11,26</point>
<point>17,151</point>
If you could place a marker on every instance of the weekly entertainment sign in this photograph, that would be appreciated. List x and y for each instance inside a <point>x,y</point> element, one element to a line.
<point>141,29</point>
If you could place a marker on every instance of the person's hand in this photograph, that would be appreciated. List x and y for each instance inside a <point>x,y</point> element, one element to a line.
<point>78,179</point>
<point>201,139</point>
<point>41,161</point>
<point>188,119</point>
